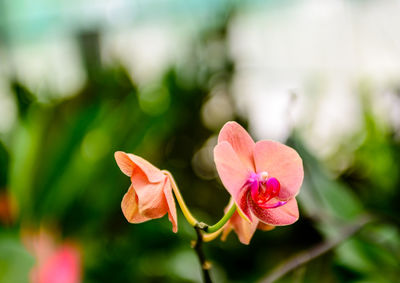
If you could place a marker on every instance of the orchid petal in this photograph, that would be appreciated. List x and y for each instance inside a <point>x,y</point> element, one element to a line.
<point>240,141</point>
<point>231,170</point>
<point>128,163</point>
<point>171,205</point>
<point>124,163</point>
<point>265,227</point>
<point>282,163</point>
<point>233,173</point>
<point>243,207</point>
<point>151,197</point>
<point>130,207</point>
<point>279,216</point>
<point>244,230</point>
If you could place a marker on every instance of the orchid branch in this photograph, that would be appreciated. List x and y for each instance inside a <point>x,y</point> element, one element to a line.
<point>204,232</point>
<point>188,215</point>
<point>318,250</point>
<point>185,210</point>
<point>208,237</point>
<point>221,223</point>
<point>198,247</point>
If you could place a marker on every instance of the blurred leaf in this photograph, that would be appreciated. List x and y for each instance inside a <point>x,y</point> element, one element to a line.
<point>24,98</point>
<point>26,159</point>
<point>15,261</point>
<point>375,168</point>
<point>322,197</point>
<point>4,163</point>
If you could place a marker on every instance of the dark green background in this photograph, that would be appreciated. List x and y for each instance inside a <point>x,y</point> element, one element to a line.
<point>57,162</point>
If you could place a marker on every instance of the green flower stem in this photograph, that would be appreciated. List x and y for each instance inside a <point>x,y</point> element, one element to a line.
<point>185,210</point>
<point>222,222</point>
<point>188,215</point>
<point>208,237</point>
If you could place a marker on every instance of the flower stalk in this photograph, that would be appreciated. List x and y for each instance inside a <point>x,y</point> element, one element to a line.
<point>188,215</point>
<point>185,210</point>
<point>205,265</point>
<point>220,224</point>
<point>208,237</point>
<point>204,232</point>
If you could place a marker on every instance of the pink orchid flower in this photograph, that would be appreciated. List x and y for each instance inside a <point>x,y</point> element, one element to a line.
<point>263,179</point>
<point>150,194</point>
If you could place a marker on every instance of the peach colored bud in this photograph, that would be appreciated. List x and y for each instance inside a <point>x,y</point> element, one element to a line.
<point>150,193</point>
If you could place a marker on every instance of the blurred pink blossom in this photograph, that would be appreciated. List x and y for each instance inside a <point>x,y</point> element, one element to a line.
<point>55,263</point>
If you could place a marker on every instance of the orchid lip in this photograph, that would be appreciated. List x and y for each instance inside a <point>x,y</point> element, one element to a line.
<point>264,188</point>
<point>273,205</point>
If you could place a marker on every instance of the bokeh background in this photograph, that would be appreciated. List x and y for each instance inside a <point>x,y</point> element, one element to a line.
<point>80,80</point>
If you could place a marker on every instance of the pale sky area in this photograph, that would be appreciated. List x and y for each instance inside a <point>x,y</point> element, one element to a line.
<point>305,57</point>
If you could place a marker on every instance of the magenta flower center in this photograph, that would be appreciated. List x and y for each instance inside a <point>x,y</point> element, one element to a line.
<point>263,189</point>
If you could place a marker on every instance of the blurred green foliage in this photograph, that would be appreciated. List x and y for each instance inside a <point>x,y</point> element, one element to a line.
<point>58,164</point>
